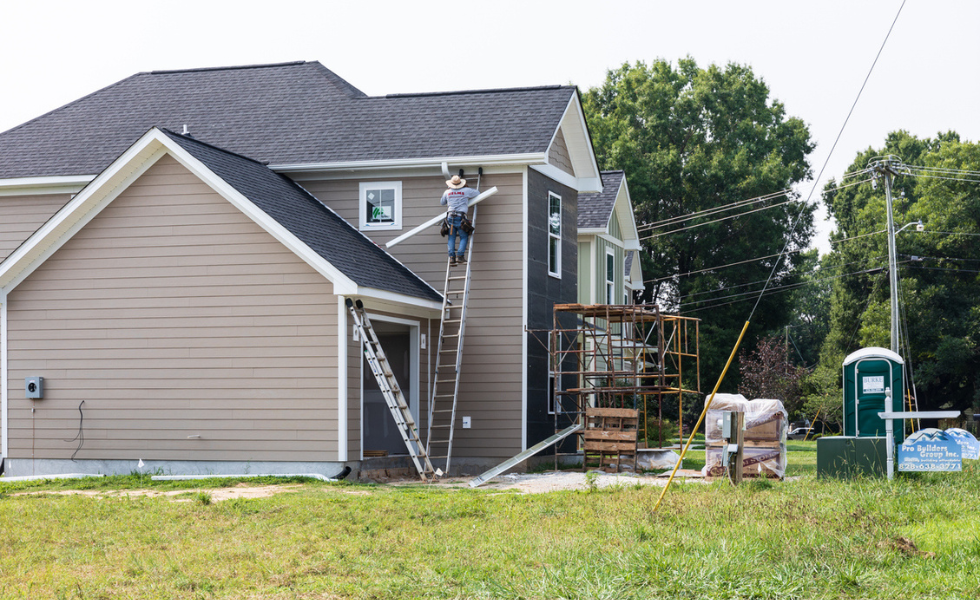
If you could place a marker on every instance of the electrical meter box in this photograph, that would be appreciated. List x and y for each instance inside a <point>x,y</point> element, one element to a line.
<point>34,387</point>
<point>869,375</point>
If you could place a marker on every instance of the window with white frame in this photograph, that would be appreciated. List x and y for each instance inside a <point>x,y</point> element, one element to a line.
<point>554,234</point>
<point>610,276</point>
<point>380,205</point>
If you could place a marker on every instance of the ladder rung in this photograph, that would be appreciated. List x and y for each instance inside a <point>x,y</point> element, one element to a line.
<point>457,278</point>
<point>439,441</point>
<point>445,381</point>
<point>443,410</point>
<point>444,395</point>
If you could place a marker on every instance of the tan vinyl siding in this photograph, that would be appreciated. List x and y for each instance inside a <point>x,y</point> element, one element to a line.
<point>20,216</point>
<point>172,315</point>
<point>558,154</point>
<point>491,377</point>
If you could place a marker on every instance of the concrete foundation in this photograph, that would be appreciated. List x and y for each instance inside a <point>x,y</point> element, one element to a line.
<point>19,467</point>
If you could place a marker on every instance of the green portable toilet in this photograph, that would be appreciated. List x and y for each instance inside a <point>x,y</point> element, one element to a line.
<point>867,373</point>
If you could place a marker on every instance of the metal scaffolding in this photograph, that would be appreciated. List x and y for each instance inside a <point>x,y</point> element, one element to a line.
<point>622,356</point>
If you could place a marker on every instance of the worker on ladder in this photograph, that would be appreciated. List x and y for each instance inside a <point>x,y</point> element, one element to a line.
<point>457,198</point>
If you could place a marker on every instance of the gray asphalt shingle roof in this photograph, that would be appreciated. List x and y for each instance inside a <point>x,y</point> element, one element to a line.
<point>325,232</point>
<point>594,210</point>
<point>290,113</point>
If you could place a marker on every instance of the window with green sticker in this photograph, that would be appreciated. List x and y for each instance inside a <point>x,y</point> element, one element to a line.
<point>381,205</point>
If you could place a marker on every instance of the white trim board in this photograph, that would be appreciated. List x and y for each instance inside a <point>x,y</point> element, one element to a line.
<point>524,311</point>
<point>35,186</point>
<point>342,376</point>
<point>4,392</point>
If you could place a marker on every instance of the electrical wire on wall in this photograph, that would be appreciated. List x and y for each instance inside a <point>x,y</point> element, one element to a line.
<point>80,436</point>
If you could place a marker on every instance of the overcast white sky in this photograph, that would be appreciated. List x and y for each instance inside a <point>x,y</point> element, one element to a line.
<point>813,55</point>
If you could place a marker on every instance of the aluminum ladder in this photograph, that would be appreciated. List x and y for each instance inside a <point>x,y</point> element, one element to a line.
<point>449,360</point>
<point>391,391</point>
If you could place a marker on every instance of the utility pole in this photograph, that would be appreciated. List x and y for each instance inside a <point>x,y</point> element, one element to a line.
<point>886,169</point>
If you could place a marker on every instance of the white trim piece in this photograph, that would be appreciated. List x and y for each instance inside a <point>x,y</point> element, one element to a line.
<point>584,185</point>
<point>362,222</point>
<point>414,359</point>
<point>4,400</point>
<point>393,298</point>
<point>627,218</point>
<point>524,310</point>
<point>341,379</point>
<point>610,239</point>
<point>560,237</point>
<point>483,196</point>
<point>593,270</point>
<point>610,295</point>
<point>34,186</point>
<point>576,132</point>
<point>393,173</point>
<point>435,162</point>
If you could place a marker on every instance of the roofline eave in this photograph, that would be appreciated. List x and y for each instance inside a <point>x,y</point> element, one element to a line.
<point>419,163</point>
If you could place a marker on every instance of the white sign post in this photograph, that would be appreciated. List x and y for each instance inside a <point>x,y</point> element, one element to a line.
<point>890,417</point>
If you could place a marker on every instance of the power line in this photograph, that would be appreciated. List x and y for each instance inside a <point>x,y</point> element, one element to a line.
<point>732,287</point>
<point>790,285</point>
<point>832,148</point>
<point>748,212</point>
<point>716,210</point>
<point>712,210</point>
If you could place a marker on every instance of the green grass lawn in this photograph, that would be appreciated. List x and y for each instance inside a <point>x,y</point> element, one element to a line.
<point>804,538</point>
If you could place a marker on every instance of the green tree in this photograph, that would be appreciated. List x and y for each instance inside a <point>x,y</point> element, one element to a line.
<point>692,139</point>
<point>939,268</point>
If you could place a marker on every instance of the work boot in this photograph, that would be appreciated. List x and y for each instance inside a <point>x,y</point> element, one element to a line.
<point>462,259</point>
<point>452,261</point>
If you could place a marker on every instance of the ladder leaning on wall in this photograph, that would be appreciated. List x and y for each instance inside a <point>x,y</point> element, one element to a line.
<point>391,391</point>
<point>449,360</point>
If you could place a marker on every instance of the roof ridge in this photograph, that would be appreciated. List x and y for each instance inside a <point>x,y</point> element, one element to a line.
<point>226,68</point>
<point>212,146</point>
<point>347,87</point>
<point>482,91</point>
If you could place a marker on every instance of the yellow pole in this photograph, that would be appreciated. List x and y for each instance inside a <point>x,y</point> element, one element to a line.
<point>812,423</point>
<point>704,412</point>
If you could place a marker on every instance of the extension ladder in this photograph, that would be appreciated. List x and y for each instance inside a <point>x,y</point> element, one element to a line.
<point>449,360</point>
<point>391,391</point>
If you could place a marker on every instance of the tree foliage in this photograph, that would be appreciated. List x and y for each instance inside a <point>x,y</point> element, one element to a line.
<point>767,372</point>
<point>939,268</point>
<point>691,139</point>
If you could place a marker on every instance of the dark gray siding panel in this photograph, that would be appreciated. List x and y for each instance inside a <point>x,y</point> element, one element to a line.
<point>544,291</point>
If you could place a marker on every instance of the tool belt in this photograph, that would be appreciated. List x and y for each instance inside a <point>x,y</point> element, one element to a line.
<point>464,223</point>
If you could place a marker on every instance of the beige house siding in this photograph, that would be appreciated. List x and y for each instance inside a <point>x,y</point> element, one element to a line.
<point>491,389</point>
<point>558,154</point>
<point>172,315</point>
<point>20,216</point>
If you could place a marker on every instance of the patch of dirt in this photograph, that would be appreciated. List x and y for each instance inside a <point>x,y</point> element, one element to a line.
<point>906,546</point>
<point>217,494</point>
<point>553,481</point>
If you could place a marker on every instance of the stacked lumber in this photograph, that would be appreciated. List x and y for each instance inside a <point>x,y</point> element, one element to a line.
<point>609,438</point>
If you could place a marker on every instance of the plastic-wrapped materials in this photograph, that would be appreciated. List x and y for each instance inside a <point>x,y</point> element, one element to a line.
<point>764,453</point>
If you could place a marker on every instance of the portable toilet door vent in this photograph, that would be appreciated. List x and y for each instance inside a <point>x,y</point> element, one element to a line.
<point>867,374</point>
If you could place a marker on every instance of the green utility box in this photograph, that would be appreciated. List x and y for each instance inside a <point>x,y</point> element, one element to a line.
<point>843,457</point>
<point>868,373</point>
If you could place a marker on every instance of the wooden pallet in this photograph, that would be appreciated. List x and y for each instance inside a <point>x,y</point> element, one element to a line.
<point>610,438</point>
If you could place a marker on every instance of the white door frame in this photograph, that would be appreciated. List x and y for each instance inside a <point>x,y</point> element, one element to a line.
<point>413,367</point>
